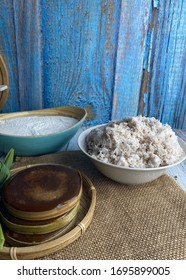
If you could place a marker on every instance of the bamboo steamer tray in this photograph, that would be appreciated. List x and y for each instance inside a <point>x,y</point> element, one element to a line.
<point>20,240</point>
<point>83,220</point>
<point>37,227</point>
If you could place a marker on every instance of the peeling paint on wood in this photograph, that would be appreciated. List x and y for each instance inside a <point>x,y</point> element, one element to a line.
<point>129,65</point>
<point>115,58</point>
<point>20,45</point>
<point>79,54</point>
<point>164,96</point>
<point>8,52</point>
<point>29,53</point>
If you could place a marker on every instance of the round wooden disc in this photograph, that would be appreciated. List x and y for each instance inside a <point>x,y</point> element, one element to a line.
<point>42,192</point>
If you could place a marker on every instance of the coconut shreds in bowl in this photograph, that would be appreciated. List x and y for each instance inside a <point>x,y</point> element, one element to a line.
<point>138,142</point>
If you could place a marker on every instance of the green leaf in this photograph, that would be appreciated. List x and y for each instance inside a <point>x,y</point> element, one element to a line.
<point>5,167</point>
<point>2,239</point>
<point>9,158</point>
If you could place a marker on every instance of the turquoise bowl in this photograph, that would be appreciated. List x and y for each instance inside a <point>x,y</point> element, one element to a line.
<point>41,144</point>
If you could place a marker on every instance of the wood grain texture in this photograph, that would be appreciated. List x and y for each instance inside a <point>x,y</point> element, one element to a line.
<point>163,92</point>
<point>20,45</point>
<point>114,58</point>
<point>29,52</point>
<point>4,80</point>
<point>129,65</point>
<point>79,54</point>
<point>9,54</point>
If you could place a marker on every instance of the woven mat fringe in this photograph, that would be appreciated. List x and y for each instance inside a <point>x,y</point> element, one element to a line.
<point>130,222</point>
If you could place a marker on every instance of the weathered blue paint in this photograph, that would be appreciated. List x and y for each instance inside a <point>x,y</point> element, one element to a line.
<point>146,52</point>
<point>21,48</point>
<point>8,51</point>
<point>155,3</point>
<point>129,66</point>
<point>115,58</point>
<point>29,53</point>
<point>144,94</point>
<point>165,97</point>
<point>79,54</point>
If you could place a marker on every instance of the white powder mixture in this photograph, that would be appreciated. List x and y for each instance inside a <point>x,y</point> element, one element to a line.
<point>36,125</point>
<point>139,142</point>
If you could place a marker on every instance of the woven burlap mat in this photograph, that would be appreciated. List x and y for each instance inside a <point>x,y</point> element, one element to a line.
<point>130,222</point>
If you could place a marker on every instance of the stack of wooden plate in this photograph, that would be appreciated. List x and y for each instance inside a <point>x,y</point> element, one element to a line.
<point>40,203</point>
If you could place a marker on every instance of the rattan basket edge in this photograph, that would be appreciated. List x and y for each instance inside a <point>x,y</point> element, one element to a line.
<point>41,250</point>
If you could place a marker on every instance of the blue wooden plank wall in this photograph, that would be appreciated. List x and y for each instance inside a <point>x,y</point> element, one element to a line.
<point>164,81</point>
<point>114,58</point>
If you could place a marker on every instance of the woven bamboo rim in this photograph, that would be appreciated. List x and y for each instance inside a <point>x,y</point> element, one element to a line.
<point>68,111</point>
<point>84,218</point>
<point>4,80</point>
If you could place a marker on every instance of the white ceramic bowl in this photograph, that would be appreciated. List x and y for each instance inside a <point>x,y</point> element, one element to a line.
<point>126,175</point>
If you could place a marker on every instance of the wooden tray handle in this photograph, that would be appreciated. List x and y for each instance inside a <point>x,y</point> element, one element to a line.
<point>4,83</point>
